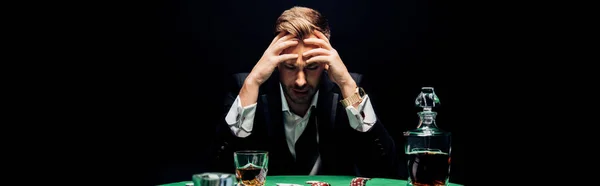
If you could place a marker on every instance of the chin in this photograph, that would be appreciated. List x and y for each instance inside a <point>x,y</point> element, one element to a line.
<point>301,101</point>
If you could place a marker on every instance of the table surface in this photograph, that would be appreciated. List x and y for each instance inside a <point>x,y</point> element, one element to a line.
<point>333,180</point>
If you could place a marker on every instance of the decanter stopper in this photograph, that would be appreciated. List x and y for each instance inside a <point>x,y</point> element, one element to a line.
<point>427,99</point>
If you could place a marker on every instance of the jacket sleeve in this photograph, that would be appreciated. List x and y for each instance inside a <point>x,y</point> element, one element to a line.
<point>374,150</point>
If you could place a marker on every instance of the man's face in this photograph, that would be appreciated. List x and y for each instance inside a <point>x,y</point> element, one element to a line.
<point>299,79</point>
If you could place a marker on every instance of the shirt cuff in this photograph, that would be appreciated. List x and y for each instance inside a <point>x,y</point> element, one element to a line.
<point>363,118</point>
<point>240,119</point>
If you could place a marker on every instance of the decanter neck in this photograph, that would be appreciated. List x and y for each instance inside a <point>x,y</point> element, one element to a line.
<point>427,119</point>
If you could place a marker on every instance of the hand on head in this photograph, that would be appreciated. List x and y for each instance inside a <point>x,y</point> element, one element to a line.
<point>272,57</point>
<point>327,55</point>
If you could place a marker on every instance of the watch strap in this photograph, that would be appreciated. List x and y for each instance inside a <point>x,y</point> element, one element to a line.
<point>355,98</point>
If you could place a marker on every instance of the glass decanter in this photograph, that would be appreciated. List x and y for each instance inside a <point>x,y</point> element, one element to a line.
<point>428,147</point>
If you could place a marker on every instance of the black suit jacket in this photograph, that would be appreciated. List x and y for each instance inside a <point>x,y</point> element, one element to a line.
<point>343,150</point>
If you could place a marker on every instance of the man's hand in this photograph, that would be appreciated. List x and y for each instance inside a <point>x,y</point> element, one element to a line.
<point>265,67</point>
<point>333,63</point>
<point>272,57</point>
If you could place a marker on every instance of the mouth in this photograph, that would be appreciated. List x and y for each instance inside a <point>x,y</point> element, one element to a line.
<point>300,92</point>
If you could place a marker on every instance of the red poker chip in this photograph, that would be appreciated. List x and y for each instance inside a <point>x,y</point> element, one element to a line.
<point>359,181</point>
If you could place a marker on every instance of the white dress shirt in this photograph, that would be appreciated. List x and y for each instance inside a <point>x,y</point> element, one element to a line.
<point>240,120</point>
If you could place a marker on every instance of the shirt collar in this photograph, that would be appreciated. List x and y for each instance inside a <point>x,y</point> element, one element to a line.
<point>284,104</point>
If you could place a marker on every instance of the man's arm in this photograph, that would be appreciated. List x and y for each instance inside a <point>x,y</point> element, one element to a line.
<point>361,117</point>
<point>375,149</point>
<point>241,119</point>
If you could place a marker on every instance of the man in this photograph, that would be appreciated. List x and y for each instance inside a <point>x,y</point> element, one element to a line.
<point>302,105</point>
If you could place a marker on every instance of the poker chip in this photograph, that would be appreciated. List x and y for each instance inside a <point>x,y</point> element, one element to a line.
<point>189,184</point>
<point>359,181</point>
<point>318,183</point>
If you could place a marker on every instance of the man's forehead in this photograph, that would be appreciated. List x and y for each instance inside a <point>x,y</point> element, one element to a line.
<point>300,47</point>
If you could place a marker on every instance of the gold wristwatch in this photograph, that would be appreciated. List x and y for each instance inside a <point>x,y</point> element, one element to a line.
<point>357,97</point>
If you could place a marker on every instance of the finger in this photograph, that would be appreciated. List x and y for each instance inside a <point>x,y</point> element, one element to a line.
<point>326,67</point>
<point>317,59</point>
<point>322,36</point>
<point>315,52</point>
<point>285,57</point>
<point>318,42</point>
<point>279,47</point>
<point>285,38</point>
<point>281,34</point>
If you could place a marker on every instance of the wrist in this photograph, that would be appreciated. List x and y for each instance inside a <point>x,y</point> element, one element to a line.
<point>251,83</point>
<point>253,80</point>
<point>249,92</point>
<point>348,88</point>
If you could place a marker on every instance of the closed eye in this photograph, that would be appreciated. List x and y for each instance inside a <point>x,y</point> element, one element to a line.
<point>312,66</point>
<point>289,66</point>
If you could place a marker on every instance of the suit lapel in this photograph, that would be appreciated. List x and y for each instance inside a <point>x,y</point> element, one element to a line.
<point>326,105</point>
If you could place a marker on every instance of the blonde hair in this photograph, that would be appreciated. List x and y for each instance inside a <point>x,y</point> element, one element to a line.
<point>301,22</point>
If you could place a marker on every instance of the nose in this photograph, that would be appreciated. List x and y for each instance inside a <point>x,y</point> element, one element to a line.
<point>301,79</point>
